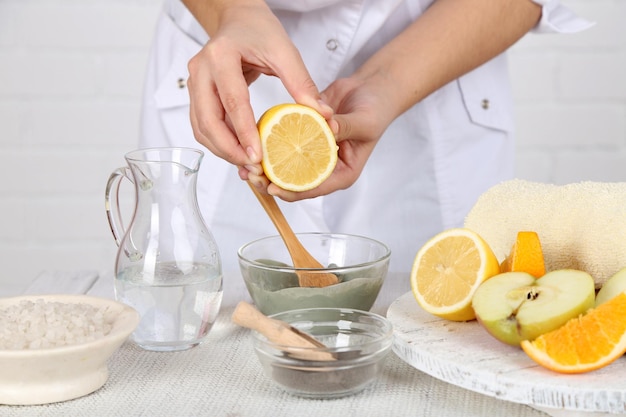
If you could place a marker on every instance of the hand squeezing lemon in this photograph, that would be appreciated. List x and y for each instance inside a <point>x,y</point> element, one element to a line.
<point>299,148</point>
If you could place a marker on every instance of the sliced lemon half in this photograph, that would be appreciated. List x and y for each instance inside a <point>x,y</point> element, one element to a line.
<point>448,269</point>
<point>299,148</point>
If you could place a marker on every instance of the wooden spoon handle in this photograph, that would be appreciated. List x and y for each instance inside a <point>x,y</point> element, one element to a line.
<point>279,332</point>
<point>276,331</point>
<point>299,255</point>
<point>296,250</point>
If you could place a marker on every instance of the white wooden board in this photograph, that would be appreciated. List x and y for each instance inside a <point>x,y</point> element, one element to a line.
<point>464,354</point>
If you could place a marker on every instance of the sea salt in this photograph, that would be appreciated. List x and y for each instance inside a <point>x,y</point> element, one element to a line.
<point>40,324</point>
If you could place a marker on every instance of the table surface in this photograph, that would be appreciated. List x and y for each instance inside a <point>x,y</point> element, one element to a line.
<point>222,376</point>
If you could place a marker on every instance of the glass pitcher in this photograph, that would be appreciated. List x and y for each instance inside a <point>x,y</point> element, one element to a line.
<point>168,266</point>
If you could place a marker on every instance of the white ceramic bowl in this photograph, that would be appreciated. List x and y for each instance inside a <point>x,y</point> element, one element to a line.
<point>47,375</point>
<point>357,343</point>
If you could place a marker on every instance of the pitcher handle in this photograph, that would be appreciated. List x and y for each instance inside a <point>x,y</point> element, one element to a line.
<point>112,202</point>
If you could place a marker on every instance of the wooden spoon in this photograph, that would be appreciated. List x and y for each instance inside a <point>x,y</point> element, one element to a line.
<point>280,333</point>
<point>300,257</point>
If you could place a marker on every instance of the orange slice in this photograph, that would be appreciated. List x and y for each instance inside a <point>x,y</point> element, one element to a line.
<point>585,343</point>
<point>526,256</point>
<point>299,149</point>
<point>448,269</point>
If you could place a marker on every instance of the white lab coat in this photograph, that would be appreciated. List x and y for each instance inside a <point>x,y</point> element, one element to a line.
<point>423,176</point>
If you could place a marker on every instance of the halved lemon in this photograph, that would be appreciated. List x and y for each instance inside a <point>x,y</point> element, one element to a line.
<point>448,269</point>
<point>299,149</point>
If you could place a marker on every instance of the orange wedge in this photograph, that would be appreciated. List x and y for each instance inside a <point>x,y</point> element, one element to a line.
<point>299,149</point>
<point>585,343</point>
<point>526,256</point>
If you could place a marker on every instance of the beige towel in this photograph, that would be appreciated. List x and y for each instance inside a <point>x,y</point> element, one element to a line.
<point>580,225</point>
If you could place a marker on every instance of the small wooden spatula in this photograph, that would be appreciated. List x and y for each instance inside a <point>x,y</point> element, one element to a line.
<point>280,333</point>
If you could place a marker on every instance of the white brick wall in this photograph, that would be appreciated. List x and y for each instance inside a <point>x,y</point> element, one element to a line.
<point>70,81</point>
<point>72,74</point>
<point>570,95</point>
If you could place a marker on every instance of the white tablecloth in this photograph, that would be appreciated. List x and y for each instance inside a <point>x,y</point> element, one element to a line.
<point>222,377</point>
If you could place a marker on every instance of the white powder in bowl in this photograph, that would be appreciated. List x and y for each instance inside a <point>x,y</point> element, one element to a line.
<point>40,324</point>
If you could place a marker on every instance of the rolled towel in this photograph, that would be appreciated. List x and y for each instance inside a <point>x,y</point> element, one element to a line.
<point>580,225</point>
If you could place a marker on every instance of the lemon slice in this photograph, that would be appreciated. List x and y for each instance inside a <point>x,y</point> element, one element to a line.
<point>447,271</point>
<point>299,149</point>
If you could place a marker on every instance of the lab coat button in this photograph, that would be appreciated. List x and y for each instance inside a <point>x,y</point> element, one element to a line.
<point>182,83</point>
<point>332,44</point>
<point>485,104</point>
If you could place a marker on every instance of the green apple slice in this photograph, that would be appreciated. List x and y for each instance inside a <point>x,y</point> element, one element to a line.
<point>612,287</point>
<point>514,306</point>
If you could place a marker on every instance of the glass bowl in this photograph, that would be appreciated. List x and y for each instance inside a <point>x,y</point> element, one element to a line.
<point>360,263</point>
<point>357,343</point>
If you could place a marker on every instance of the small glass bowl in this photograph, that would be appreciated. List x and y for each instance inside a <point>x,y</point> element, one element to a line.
<point>356,344</point>
<point>360,263</point>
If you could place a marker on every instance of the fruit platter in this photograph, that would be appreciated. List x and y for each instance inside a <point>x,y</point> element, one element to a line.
<point>463,354</point>
<point>525,303</point>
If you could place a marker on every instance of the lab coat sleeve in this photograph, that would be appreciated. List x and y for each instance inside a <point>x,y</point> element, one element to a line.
<point>556,18</point>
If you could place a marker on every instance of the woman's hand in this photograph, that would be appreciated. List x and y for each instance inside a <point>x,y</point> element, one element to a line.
<point>247,40</point>
<point>362,113</point>
<point>451,38</point>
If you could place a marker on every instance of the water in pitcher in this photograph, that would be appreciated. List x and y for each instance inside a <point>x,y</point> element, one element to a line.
<point>177,305</point>
<point>167,265</point>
